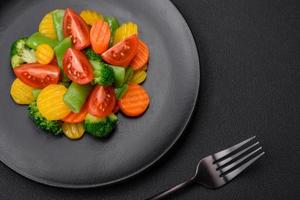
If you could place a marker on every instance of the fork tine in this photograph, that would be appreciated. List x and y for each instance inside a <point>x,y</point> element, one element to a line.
<point>239,161</point>
<point>237,171</point>
<point>227,160</point>
<point>227,151</point>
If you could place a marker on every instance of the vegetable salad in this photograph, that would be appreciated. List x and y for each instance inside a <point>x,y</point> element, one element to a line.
<point>78,71</point>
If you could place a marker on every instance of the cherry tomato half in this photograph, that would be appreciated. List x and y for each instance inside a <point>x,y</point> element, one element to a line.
<point>75,26</point>
<point>101,101</point>
<point>122,53</point>
<point>38,75</point>
<point>77,67</point>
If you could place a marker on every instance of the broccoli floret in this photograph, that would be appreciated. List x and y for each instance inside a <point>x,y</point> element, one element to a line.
<point>103,74</point>
<point>48,126</point>
<point>16,61</point>
<point>100,127</point>
<point>20,53</point>
<point>28,56</point>
<point>92,56</point>
<point>18,46</point>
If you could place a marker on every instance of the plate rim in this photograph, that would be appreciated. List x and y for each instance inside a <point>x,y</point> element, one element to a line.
<point>12,166</point>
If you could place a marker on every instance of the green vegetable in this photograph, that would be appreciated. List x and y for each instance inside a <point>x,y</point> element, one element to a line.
<point>121,91</point>
<point>37,38</point>
<point>112,22</point>
<point>128,75</point>
<point>18,46</point>
<point>36,92</point>
<point>76,95</point>
<point>61,49</point>
<point>16,61</point>
<point>48,126</point>
<point>113,25</point>
<point>20,53</point>
<point>92,56</point>
<point>119,75</point>
<point>28,56</point>
<point>58,18</point>
<point>103,74</point>
<point>100,127</point>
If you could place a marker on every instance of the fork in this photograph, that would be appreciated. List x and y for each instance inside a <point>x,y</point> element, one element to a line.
<point>215,170</point>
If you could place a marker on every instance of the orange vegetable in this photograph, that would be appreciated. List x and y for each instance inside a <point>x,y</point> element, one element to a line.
<point>76,117</point>
<point>135,101</point>
<point>141,57</point>
<point>100,36</point>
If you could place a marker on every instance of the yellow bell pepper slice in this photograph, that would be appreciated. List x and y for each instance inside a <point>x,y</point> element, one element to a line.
<point>139,76</point>
<point>73,131</point>
<point>21,93</point>
<point>51,104</point>
<point>124,31</point>
<point>46,26</point>
<point>44,54</point>
<point>90,16</point>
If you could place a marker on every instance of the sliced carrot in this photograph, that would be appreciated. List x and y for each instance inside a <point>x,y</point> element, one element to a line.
<point>142,56</point>
<point>135,101</point>
<point>76,117</point>
<point>100,36</point>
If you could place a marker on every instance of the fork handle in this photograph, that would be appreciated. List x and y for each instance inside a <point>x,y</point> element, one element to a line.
<point>172,190</point>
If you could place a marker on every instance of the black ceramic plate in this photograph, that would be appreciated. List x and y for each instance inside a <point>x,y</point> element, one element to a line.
<point>173,81</point>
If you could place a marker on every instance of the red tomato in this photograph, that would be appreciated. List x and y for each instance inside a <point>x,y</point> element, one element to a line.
<point>75,26</point>
<point>38,75</point>
<point>100,36</point>
<point>77,67</point>
<point>122,53</point>
<point>101,101</point>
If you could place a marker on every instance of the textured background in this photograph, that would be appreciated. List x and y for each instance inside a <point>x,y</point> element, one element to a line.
<point>250,85</point>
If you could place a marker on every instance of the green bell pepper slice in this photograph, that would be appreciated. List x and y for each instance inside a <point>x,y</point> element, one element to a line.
<point>128,75</point>
<point>37,38</point>
<point>121,91</point>
<point>119,75</point>
<point>113,25</point>
<point>58,18</point>
<point>61,49</point>
<point>76,95</point>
